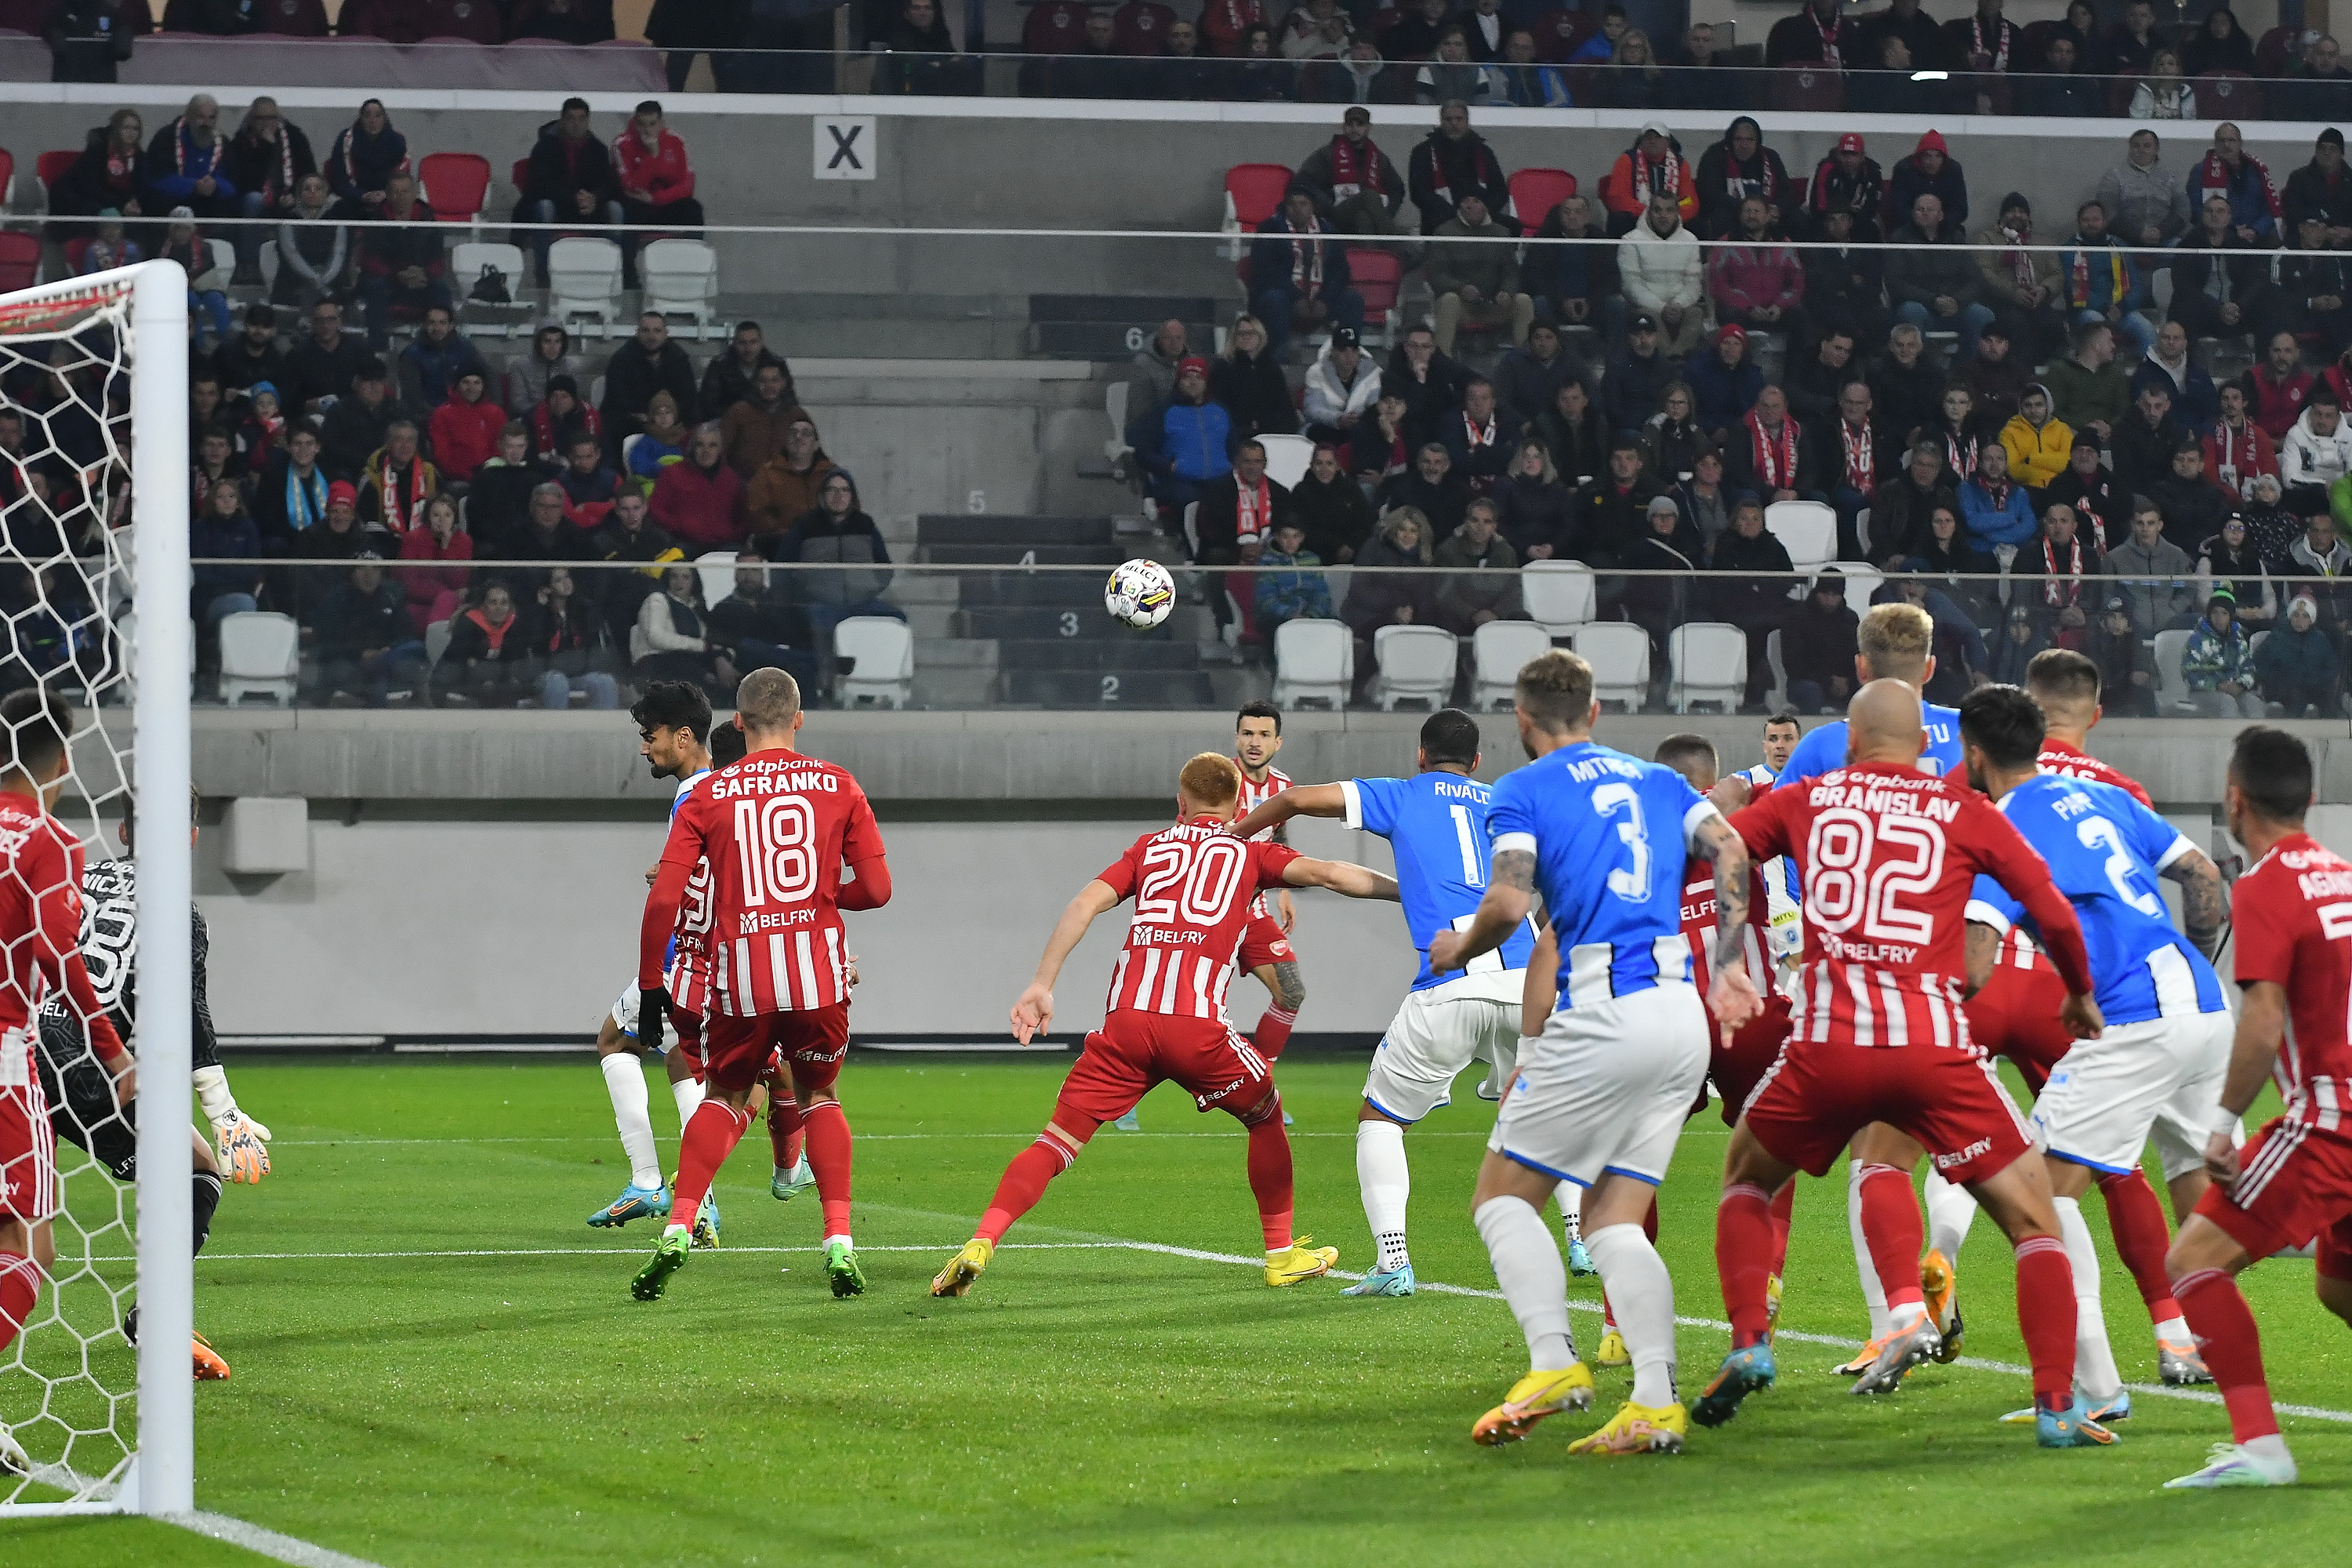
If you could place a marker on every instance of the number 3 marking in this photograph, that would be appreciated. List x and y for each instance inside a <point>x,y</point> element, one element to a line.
<point>1630,883</point>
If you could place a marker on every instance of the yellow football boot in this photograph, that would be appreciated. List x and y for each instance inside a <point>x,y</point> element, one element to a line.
<point>1612,1351</point>
<point>1305,1260</point>
<point>963,1269</point>
<point>1638,1430</point>
<point>1533,1397</point>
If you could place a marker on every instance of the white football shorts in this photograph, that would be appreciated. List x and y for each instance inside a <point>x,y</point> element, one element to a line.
<point>1606,1087</point>
<point>1438,1031</point>
<point>624,1018</point>
<point>2161,1078</point>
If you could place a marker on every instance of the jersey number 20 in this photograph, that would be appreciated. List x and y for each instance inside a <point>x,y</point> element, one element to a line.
<point>1195,882</point>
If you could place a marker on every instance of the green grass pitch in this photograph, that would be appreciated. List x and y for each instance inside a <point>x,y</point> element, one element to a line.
<point>511,1404</point>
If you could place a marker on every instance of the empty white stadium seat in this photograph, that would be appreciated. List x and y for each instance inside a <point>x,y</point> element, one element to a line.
<point>436,641</point>
<point>1416,665</point>
<point>1313,661</point>
<point>1710,664</point>
<point>1558,594</point>
<point>1807,530</point>
<point>716,568</point>
<point>1114,404</point>
<point>224,255</point>
<point>465,264</point>
<point>1862,580</point>
<point>680,278</point>
<point>261,654</point>
<point>1619,653</point>
<point>1287,459</point>
<point>584,278</point>
<point>2171,689</point>
<point>885,652</point>
<point>1499,650</point>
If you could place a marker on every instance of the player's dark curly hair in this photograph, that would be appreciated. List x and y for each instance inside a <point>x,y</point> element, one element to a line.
<point>1450,735</point>
<point>674,705</point>
<point>2271,768</point>
<point>2004,723</point>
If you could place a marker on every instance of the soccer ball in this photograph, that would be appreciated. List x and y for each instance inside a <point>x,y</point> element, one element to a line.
<point>1141,593</point>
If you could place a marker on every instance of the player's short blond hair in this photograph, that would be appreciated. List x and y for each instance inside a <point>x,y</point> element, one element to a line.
<point>766,700</point>
<point>1554,689</point>
<point>1896,639</point>
<point>1210,779</point>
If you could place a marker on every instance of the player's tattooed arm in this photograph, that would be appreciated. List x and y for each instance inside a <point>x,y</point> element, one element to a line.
<point>1983,949</point>
<point>1510,894</point>
<point>1727,853</point>
<point>2202,903</point>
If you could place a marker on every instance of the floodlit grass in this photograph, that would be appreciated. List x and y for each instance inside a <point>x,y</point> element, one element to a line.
<point>1087,1401</point>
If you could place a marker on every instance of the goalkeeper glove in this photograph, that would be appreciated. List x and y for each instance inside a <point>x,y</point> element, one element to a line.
<point>244,1147</point>
<point>653,1006</point>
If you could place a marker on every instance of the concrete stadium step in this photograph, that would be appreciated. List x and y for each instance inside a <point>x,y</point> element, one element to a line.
<point>955,653</point>
<point>1013,589</point>
<point>1103,653</point>
<point>948,687</point>
<point>1111,326</point>
<point>932,622</point>
<point>1038,623</point>
<point>1120,689</point>
<point>948,528</point>
<point>1105,554</point>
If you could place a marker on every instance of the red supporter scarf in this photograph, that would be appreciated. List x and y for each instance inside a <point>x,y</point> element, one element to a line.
<point>497,634</point>
<point>1829,39</point>
<point>180,145</point>
<point>1775,456</point>
<point>1859,455</point>
<point>1667,177</point>
<point>1305,262</point>
<point>1480,437</point>
<point>1999,49</point>
<point>1995,491</point>
<point>122,168</point>
<point>285,181</point>
<point>400,514</point>
<point>1960,452</point>
<point>1350,166</point>
<point>2056,594</point>
<point>1253,511</point>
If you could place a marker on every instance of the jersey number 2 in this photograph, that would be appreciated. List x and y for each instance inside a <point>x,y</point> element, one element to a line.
<point>2098,833</point>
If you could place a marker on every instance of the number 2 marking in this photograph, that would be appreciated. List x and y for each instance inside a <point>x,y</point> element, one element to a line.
<point>2098,833</point>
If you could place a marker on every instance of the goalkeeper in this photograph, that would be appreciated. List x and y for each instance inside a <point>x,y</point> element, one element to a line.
<point>80,1091</point>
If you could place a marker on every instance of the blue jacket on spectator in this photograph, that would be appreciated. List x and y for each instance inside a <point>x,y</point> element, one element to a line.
<point>1294,595</point>
<point>2253,203</point>
<point>2009,522</point>
<point>1721,395</point>
<point>2212,657</point>
<point>174,165</point>
<point>234,538</point>
<point>2107,278</point>
<point>1191,442</point>
<point>427,374</point>
<point>1271,258</point>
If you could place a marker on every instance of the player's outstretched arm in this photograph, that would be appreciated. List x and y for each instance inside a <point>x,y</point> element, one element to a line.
<point>1300,800</point>
<point>2201,900</point>
<point>1510,892</point>
<point>1539,997</point>
<point>1344,876</point>
<point>1033,1011</point>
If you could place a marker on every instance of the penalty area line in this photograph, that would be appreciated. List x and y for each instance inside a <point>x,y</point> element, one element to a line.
<point>269,1544</point>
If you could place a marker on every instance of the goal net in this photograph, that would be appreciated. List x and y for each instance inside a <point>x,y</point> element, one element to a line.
<point>95,1399</point>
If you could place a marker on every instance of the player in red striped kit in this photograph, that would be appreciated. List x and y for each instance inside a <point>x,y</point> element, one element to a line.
<point>2015,1015</point>
<point>40,929</point>
<point>1266,951</point>
<point>1195,885</point>
<point>776,830</point>
<point>1889,856</point>
<point>2292,913</point>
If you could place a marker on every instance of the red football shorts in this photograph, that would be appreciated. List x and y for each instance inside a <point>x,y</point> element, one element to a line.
<point>28,1154</point>
<point>1736,1069</point>
<point>2295,1182</point>
<point>1133,1051</point>
<point>2016,1016</point>
<point>690,1035</point>
<point>1818,1095</point>
<point>1264,943</point>
<point>736,1051</point>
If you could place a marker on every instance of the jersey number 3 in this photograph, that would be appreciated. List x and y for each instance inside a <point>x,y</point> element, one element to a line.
<point>1631,881</point>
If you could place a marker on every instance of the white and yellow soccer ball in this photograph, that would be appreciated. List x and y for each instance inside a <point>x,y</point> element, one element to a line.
<point>1141,593</point>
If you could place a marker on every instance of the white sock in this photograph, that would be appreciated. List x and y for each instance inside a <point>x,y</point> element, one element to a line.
<point>688,1093</point>
<point>1950,1211</point>
<point>1533,1280</point>
<point>1641,1295</point>
<point>2095,1376</point>
<point>840,1236</point>
<point>624,1080</point>
<point>1381,1172</point>
<point>2175,1330</point>
<point>1873,1295</point>
<point>2271,1446</point>
<point>1571,1211</point>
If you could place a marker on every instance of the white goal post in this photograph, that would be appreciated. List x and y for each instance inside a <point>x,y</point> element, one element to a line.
<point>79,340</point>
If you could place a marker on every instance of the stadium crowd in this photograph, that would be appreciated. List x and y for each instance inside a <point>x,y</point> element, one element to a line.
<point>2007,424</point>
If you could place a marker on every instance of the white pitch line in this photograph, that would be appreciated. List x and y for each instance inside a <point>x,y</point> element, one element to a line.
<point>266,1542</point>
<point>862,1137</point>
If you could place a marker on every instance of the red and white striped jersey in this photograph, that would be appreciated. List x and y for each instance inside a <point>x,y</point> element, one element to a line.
<point>1254,795</point>
<point>2293,917</point>
<point>1193,885</point>
<point>688,979</point>
<point>2018,950</point>
<point>40,929</point>
<point>1699,923</point>
<point>771,833</point>
<point>1888,856</point>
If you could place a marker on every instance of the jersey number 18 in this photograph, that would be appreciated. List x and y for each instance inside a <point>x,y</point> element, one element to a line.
<point>775,841</point>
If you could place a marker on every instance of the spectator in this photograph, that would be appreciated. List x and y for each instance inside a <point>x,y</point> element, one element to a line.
<point>1660,598</point>
<point>1673,439</point>
<point>1358,77</point>
<point>1450,76</point>
<point>2013,651</point>
<point>487,661</point>
<point>110,249</point>
<point>2317,454</point>
<point>696,499</point>
<point>188,165</point>
<point>1574,434</point>
<point>1899,508</point>
<point>1377,599</point>
<point>1601,47</point>
<point>2295,666</point>
<point>498,504</point>
<point>1247,381</point>
<point>1475,277</point>
<point>2320,90</point>
<point>628,534</point>
<point>2215,294</point>
<point>207,284</point>
<point>1342,385</point>
<point>252,356</point>
<point>1448,161</point>
<point>1848,178</point>
<point>1995,379</point>
<point>110,171</point>
<point>655,183</point>
<point>1259,76</point>
<point>733,377</point>
<point>2323,186</point>
<point>759,626</point>
<point>1957,647</point>
<point>1987,42</point>
<point>785,488</point>
<point>1845,283</point>
<point>1815,32</point>
<point>1930,169</point>
<point>1355,188</point>
<point>1333,514</point>
<point>1767,452</point>
<point>1152,379</point>
<point>1523,83</point>
<point>1429,380</point>
<point>1735,169</point>
<point>644,365</point>
<point>87,40</point>
<point>2195,400</point>
<point>2228,169</point>
<point>2090,492</point>
<point>2216,666</point>
<point>1318,30</point>
<point>2040,446</point>
<point>2064,563</point>
<point>2146,203</point>
<point>217,462</point>
<point>1633,79</point>
<point>2131,45</point>
<point>837,533</point>
<point>2087,390</point>
<point>1945,556</point>
<point>2270,527</point>
<point>1610,512</point>
<point>1414,36</point>
<point>2020,283</point>
<point>2060,89</point>
<point>2318,553</point>
<point>1935,288</point>
<point>562,420</point>
<point>357,423</point>
<point>1575,284</point>
<point>2237,450</point>
<point>404,268</point>
<point>2143,444</point>
<point>1431,488</point>
<point>546,534</point>
<point>267,159</point>
<point>362,161</point>
<point>1299,278</point>
<point>1994,509</point>
<point>434,592</point>
<point>341,536</point>
<point>1723,386</point>
<point>1958,430</point>
<point>1705,502</point>
<point>571,647</point>
<point>551,356</point>
<point>314,256</point>
<point>291,495</point>
<point>2277,388</point>
<point>1479,437</point>
<point>1856,451</point>
<point>368,643</point>
<point>2230,561</point>
<point>1706,77</point>
<point>466,429</point>
<point>662,443</point>
<point>1638,375</point>
<point>2126,664</point>
<point>1653,168</point>
<point>397,480</point>
<point>431,364</point>
<point>1298,591</point>
<point>2163,568</point>
<point>1757,601</point>
<point>223,530</point>
<point>1532,507</point>
<point>589,487</point>
<point>569,176</point>
<point>1754,283</point>
<point>2310,287</point>
<point>2099,282</point>
<point>1819,646</point>
<point>1663,275</point>
<point>2220,45</point>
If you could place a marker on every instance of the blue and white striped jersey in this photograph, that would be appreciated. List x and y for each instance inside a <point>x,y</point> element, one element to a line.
<point>1823,749</point>
<point>1436,823</point>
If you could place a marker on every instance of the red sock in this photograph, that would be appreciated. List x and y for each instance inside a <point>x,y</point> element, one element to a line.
<point>828,1158</point>
<point>1784,1209</point>
<point>784,1137</point>
<point>710,1135</point>
<point>1269,1175</point>
<point>2045,1317</point>
<point>2224,1326</point>
<point>2138,1221</point>
<point>1743,1245</point>
<point>1608,1313</point>
<point>20,1287</point>
<point>1650,1222</point>
<point>1023,1184</point>
<point>1273,1031</point>
<point>1895,1233</point>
